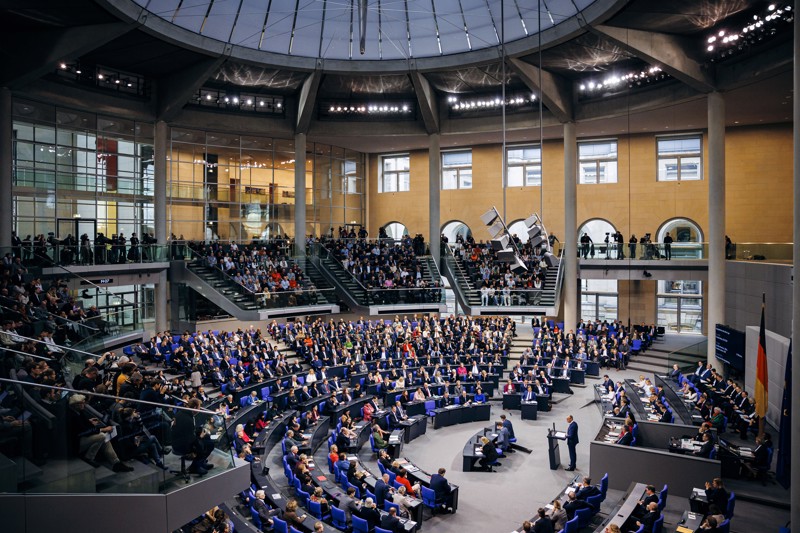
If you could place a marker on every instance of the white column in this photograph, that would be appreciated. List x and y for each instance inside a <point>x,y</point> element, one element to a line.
<point>160,152</point>
<point>434,193</point>
<point>794,513</point>
<point>570,282</point>
<point>300,193</point>
<point>716,218</point>
<point>6,204</point>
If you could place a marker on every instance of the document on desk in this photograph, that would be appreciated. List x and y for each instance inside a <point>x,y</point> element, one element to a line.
<point>560,435</point>
<point>478,450</point>
<point>451,407</point>
<point>684,529</point>
<point>411,468</point>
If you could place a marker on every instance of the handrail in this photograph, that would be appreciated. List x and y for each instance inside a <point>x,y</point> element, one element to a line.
<point>559,276</point>
<point>100,395</point>
<point>55,317</point>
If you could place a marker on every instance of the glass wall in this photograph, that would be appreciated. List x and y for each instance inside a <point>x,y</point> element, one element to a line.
<point>599,299</point>
<point>232,187</point>
<point>80,173</point>
<point>680,306</point>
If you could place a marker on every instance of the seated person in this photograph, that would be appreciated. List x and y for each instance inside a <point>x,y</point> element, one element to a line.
<point>318,497</point>
<point>369,513</point>
<point>648,520</point>
<point>707,447</point>
<point>586,490</point>
<point>390,522</point>
<point>291,516</point>
<point>543,523</point>
<point>378,435</point>
<point>402,478</point>
<point>574,504</point>
<point>716,493</point>
<point>489,454</point>
<point>480,397</point>
<point>265,513</point>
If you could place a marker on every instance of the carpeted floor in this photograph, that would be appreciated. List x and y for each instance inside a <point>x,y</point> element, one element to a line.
<point>499,502</point>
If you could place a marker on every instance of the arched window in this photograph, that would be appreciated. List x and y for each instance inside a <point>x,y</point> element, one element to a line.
<point>395,230</point>
<point>452,230</point>
<point>598,228</point>
<point>686,238</point>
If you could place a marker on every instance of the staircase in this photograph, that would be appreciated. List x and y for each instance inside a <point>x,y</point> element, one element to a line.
<point>467,290</point>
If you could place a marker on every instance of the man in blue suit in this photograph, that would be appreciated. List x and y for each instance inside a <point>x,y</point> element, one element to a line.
<point>382,489</point>
<point>572,441</point>
<point>441,487</point>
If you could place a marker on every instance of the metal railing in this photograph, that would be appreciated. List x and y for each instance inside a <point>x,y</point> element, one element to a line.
<point>90,253</point>
<point>761,251</point>
<point>643,251</point>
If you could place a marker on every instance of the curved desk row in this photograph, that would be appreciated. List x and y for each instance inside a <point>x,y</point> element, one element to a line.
<point>461,414</point>
<point>472,449</point>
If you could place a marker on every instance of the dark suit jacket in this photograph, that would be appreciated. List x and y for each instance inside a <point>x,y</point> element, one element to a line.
<point>626,439</point>
<point>648,521</point>
<point>719,497</point>
<point>391,523</point>
<point>381,492</point>
<point>440,486</point>
<point>586,492</point>
<point>705,449</point>
<point>371,515</point>
<point>543,525</point>
<point>572,433</point>
<point>574,505</point>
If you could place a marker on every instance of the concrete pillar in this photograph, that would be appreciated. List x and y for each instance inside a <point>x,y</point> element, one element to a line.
<point>716,218</point>
<point>434,193</point>
<point>300,193</point>
<point>570,282</point>
<point>160,153</point>
<point>6,164</point>
<point>795,401</point>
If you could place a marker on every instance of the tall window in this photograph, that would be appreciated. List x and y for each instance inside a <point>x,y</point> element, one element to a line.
<point>395,175</point>
<point>597,162</point>
<point>599,299</point>
<point>524,166</point>
<point>680,306</point>
<point>680,158</point>
<point>457,170</point>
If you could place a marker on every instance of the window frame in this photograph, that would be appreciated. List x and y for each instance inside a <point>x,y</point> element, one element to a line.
<point>396,173</point>
<point>680,298</point>
<point>524,166</point>
<point>598,161</point>
<point>699,155</point>
<point>457,168</point>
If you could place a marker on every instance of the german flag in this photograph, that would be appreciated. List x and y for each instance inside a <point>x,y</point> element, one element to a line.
<point>761,393</point>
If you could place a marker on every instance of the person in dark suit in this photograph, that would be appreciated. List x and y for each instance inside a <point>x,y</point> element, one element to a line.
<point>625,437</point>
<point>586,489</point>
<point>369,513</point>
<point>349,505</point>
<point>716,493</point>
<point>574,504</point>
<point>507,424</point>
<point>572,442</point>
<point>707,447</point>
<point>382,489</point>
<point>390,522</point>
<point>675,372</point>
<point>489,454</point>
<point>444,494</point>
<point>648,521</point>
<point>650,496</point>
<point>543,524</point>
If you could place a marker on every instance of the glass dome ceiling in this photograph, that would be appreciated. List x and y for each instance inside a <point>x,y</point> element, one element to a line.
<point>395,29</point>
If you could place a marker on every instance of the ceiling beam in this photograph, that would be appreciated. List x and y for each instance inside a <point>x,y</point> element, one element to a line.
<point>307,101</point>
<point>426,99</point>
<point>555,91</point>
<point>174,91</point>
<point>27,56</point>
<point>670,52</point>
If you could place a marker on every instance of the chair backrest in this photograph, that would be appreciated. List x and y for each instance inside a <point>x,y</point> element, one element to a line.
<point>315,508</point>
<point>372,443</point>
<point>428,497</point>
<point>392,476</point>
<point>661,503</point>
<point>331,467</point>
<point>388,505</point>
<point>595,501</point>
<point>664,493</point>
<point>572,526</point>
<point>633,441</point>
<point>279,526</point>
<point>256,519</point>
<point>381,530</point>
<point>381,468</point>
<point>731,505</point>
<point>360,525</point>
<point>604,486</point>
<point>725,526</point>
<point>338,517</point>
<point>368,494</point>
<point>584,516</point>
<point>658,525</point>
<point>303,497</point>
<point>430,405</point>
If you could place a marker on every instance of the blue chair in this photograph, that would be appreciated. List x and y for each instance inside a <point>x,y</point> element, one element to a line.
<point>255,518</point>
<point>713,454</point>
<point>338,518</point>
<point>604,486</point>
<point>359,525</point>
<point>381,530</point>
<point>658,525</point>
<point>725,526</point>
<point>381,468</point>
<point>661,503</point>
<point>595,501</point>
<point>633,441</point>
<point>663,495</point>
<point>584,517</point>
<point>430,406</point>
<point>724,424</point>
<point>375,449</point>
<point>303,497</point>
<point>392,477</point>
<point>572,526</point>
<point>388,505</point>
<point>640,530</point>
<point>315,508</point>
<point>279,526</point>
<point>731,506</point>
<point>429,498</point>
<point>368,494</point>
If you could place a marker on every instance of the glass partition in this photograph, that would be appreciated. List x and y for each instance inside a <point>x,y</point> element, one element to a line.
<point>63,440</point>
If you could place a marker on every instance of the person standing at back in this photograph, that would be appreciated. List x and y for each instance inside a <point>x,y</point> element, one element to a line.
<point>572,442</point>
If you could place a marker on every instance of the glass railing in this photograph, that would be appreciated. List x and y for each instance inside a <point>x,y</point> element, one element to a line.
<point>246,298</point>
<point>761,251</point>
<point>367,295</point>
<point>498,297</point>
<point>89,253</point>
<point>644,251</point>
<point>60,440</point>
<point>687,358</point>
